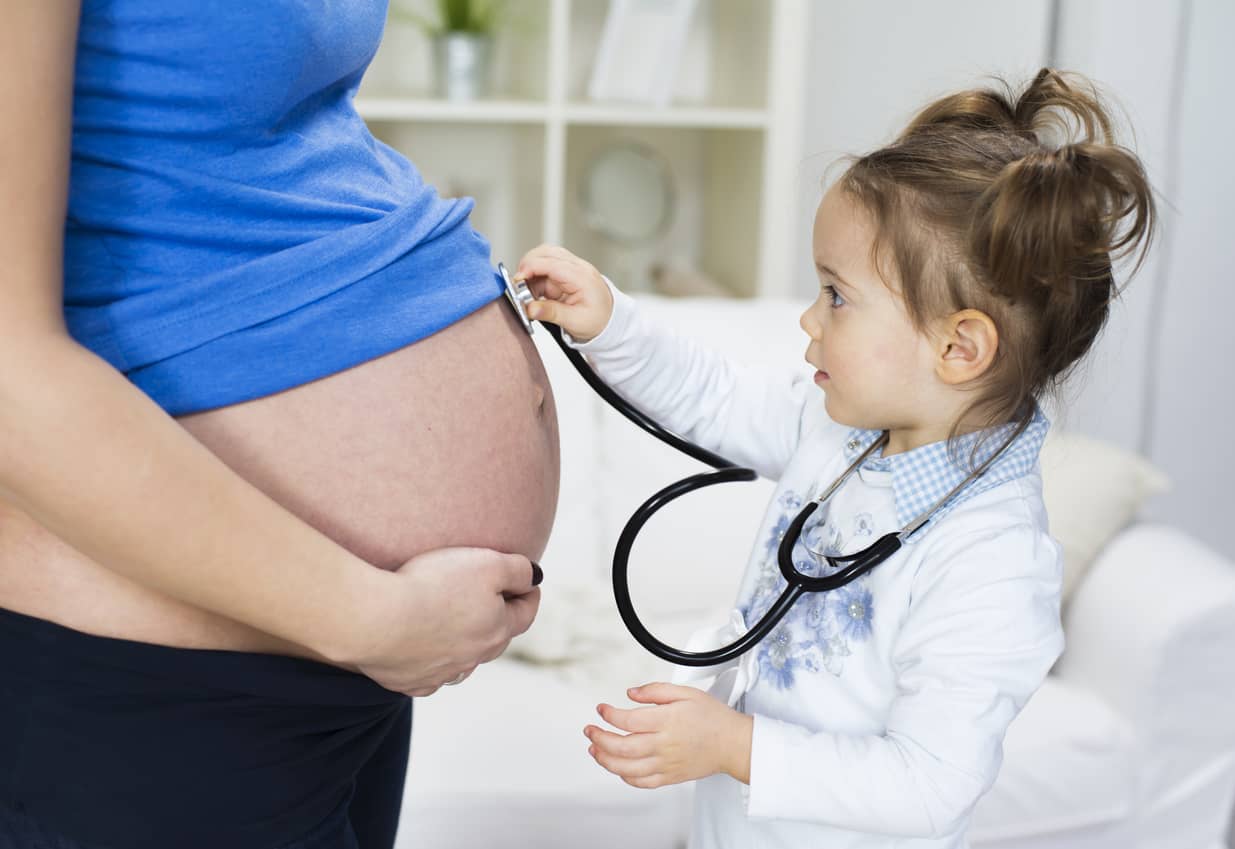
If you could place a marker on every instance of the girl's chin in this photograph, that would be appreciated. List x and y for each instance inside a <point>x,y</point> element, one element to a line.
<point>829,405</point>
<point>837,414</point>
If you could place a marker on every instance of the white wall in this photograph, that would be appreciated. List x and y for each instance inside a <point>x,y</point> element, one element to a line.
<point>871,65</point>
<point>1158,380</point>
<point>1192,405</point>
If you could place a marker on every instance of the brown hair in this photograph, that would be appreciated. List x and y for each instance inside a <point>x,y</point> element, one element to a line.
<point>1014,206</point>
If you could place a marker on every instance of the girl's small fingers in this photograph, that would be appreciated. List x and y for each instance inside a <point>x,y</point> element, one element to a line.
<point>646,782</point>
<point>543,287</point>
<point>526,266</point>
<point>556,252</point>
<point>539,251</point>
<point>636,719</point>
<point>560,271</point>
<point>621,745</point>
<point>626,768</point>
<point>545,310</point>
<point>538,256</point>
<point>660,693</point>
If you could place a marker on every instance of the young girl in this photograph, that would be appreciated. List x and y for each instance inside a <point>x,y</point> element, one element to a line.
<point>964,269</point>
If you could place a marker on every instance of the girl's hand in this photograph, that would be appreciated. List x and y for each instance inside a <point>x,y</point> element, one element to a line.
<point>686,735</point>
<point>573,294</point>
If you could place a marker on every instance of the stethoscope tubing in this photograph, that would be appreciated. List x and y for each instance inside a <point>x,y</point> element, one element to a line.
<point>725,471</point>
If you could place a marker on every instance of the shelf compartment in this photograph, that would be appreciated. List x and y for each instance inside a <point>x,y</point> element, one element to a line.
<point>716,224</point>
<point>403,66</point>
<point>724,60</point>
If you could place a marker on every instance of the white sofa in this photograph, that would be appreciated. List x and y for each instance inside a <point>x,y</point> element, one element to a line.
<point>1130,744</point>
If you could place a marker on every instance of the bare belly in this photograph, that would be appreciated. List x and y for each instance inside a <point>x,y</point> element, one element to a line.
<point>450,441</point>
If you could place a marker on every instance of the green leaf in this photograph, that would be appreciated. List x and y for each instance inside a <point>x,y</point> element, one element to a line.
<point>474,16</point>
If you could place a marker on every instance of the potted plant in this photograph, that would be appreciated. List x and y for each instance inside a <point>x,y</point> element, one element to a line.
<point>462,37</point>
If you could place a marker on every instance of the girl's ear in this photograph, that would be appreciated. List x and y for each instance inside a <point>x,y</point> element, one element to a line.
<point>966,347</point>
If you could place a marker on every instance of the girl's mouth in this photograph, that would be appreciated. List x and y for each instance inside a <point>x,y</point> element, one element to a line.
<point>821,377</point>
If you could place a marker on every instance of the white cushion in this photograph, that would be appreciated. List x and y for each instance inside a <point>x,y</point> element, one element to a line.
<point>1092,490</point>
<point>1069,762</point>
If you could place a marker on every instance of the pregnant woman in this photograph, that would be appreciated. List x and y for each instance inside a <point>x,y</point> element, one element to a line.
<point>273,454</point>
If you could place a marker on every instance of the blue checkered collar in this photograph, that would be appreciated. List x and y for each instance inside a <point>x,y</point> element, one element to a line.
<point>926,474</point>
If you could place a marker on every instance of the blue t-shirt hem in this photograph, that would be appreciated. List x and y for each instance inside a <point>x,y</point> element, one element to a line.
<point>437,284</point>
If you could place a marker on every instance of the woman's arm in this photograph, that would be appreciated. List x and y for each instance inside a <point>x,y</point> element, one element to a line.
<point>105,469</point>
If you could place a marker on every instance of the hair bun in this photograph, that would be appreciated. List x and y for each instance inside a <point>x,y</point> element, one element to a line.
<point>1059,108</point>
<point>1061,215</point>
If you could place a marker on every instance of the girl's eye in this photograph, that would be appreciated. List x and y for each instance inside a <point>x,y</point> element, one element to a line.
<point>834,297</point>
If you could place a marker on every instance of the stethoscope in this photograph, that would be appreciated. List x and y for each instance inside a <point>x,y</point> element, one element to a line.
<point>848,567</point>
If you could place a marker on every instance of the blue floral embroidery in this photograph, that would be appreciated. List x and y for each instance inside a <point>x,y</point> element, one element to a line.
<point>863,525</point>
<point>834,650</point>
<point>816,605</point>
<point>776,659</point>
<point>775,534</point>
<point>818,632</point>
<point>855,608</point>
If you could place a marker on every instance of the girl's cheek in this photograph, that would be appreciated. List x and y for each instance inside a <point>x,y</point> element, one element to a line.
<point>889,354</point>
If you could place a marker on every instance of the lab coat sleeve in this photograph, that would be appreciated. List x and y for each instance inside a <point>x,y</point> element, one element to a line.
<point>981,633</point>
<point>754,417</point>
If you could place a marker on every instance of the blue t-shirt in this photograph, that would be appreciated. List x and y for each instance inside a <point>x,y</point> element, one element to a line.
<point>233,227</point>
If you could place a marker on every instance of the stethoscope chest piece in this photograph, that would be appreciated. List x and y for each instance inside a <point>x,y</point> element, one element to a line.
<point>519,296</point>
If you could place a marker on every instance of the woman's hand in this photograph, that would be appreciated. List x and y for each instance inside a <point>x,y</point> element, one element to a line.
<point>573,294</point>
<point>443,613</point>
<point>686,735</point>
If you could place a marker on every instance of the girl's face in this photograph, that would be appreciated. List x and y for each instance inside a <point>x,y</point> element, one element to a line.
<point>874,367</point>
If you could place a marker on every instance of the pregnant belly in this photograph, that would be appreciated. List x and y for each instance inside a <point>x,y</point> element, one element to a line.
<point>450,441</point>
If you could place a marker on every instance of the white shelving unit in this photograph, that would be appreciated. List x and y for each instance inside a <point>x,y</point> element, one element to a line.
<point>730,135</point>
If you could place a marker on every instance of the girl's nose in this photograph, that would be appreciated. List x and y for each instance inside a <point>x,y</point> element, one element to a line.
<point>808,324</point>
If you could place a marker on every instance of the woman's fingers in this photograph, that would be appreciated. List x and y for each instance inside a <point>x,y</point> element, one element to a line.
<point>515,574</point>
<point>521,611</point>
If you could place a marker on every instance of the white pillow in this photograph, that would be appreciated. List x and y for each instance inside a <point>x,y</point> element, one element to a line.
<point>1092,490</point>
